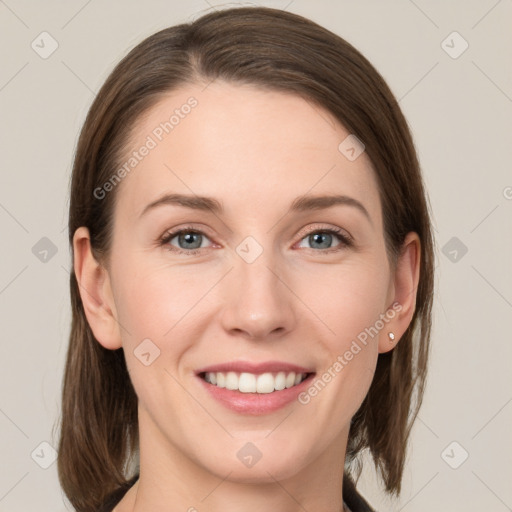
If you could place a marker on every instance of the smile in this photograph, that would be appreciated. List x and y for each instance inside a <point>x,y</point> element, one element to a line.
<point>252,383</point>
<point>255,388</point>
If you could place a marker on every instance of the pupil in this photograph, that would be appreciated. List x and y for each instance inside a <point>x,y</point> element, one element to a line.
<point>318,237</point>
<point>188,238</point>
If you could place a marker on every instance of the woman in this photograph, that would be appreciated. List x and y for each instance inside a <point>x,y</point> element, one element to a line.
<point>253,275</point>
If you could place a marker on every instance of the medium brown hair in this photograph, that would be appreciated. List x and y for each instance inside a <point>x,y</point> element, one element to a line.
<point>284,52</point>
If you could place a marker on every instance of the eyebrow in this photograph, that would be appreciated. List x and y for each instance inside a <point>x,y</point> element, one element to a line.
<point>300,204</point>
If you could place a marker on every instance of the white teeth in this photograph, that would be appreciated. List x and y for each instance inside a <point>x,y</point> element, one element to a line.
<point>247,383</point>
<point>251,383</point>
<point>280,381</point>
<point>265,383</point>
<point>232,381</point>
<point>290,380</point>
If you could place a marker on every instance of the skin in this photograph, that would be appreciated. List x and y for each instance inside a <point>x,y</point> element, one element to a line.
<point>255,151</point>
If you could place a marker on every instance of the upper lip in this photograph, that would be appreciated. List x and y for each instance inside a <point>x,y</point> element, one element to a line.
<point>256,368</point>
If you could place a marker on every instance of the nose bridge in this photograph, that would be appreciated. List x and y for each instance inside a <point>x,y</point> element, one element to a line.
<point>258,278</point>
<point>258,302</point>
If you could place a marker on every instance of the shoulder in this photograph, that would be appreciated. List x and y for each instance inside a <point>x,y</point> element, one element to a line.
<point>115,497</point>
<point>354,501</point>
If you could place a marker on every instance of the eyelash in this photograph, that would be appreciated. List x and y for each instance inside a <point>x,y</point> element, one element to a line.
<point>345,240</point>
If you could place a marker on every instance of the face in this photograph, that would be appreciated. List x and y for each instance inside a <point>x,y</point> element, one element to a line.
<point>236,292</point>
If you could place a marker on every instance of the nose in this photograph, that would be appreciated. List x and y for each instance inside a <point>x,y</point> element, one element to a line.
<point>259,303</point>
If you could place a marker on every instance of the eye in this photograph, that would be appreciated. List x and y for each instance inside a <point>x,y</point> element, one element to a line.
<point>190,241</point>
<point>185,241</point>
<point>324,238</point>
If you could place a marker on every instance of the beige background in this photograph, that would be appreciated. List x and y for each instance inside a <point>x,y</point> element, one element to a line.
<point>459,110</point>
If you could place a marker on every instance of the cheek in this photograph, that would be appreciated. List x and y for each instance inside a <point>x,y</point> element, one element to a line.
<point>153,302</point>
<point>163,311</point>
<point>350,308</point>
<point>156,308</point>
<point>347,299</point>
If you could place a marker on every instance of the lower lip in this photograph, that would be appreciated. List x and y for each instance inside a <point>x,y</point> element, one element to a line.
<point>256,403</point>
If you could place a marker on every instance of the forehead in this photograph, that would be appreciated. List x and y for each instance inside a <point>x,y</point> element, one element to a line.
<point>250,147</point>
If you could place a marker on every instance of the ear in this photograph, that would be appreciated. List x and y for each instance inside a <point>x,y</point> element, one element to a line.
<point>96,292</point>
<point>402,294</point>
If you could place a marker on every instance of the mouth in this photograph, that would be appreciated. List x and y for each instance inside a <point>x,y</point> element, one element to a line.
<point>246,382</point>
<point>255,388</point>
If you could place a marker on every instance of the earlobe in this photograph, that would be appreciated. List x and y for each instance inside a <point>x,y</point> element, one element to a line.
<point>403,296</point>
<point>95,292</point>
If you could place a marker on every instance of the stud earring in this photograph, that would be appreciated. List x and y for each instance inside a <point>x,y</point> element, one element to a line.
<point>391,336</point>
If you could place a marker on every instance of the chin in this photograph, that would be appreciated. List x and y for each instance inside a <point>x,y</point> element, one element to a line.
<point>267,469</point>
